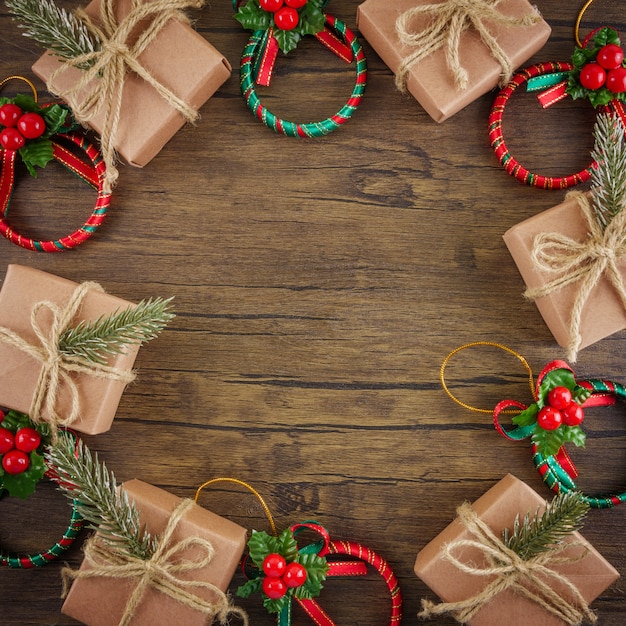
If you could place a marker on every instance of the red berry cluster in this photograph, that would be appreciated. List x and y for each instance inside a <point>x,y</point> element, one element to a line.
<point>561,409</point>
<point>14,449</point>
<point>19,126</point>
<point>285,12</point>
<point>606,71</point>
<point>280,576</point>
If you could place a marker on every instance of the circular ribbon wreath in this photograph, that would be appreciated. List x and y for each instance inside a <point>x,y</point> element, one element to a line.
<point>257,61</point>
<point>557,469</point>
<point>65,145</point>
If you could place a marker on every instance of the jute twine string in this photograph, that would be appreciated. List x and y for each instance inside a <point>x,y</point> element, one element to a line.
<point>532,578</point>
<point>107,67</point>
<point>160,572</point>
<point>450,19</point>
<point>56,367</point>
<point>581,261</point>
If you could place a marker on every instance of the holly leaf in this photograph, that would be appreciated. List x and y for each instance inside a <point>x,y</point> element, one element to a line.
<point>55,117</point>
<point>312,18</point>
<point>22,485</point>
<point>26,103</point>
<point>260,545</point>
<point>602,96</point>
<point>276,606</point>
<point>582,56</point>
<point>548,442</point>
<point>36,153</point>
<point>560,377</point>
<point>604,36</point>
<point>250,587</point>
<point>252,17</point>
<point>316,570</point>
<point>575,435</point>
<point>581,394</point>
<point>287,39</point>
<point>527,416</point>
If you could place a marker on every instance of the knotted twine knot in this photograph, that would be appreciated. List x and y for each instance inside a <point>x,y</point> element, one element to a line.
<point>450,19</point>
<point>581,261</point>
<point>160,572</point>
<point>532,578</point>
<point>104,70</point>
<point>57,366</point>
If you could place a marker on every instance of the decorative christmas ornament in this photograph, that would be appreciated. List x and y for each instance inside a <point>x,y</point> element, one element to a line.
<point>280,26</point>
<point>22,467</point>
<point>38,134</point>
<point>553,420</point>
<point>597,72</point>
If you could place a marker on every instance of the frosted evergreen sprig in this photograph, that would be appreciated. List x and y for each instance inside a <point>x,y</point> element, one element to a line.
<point>111,334</point>
<point>608,178</point>
<point>53,27</point>
<point>540,532</point>
<point>93,489</point>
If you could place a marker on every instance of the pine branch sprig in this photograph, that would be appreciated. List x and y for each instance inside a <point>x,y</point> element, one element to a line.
<point>54,28</point>
<point>93,489</point>
<point>537,534</point>
<point>608,178</point>
<point>108,335</point>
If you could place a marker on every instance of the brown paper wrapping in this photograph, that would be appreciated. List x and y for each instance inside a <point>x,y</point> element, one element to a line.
<point>23,287</point>
<point>101,601</point>
<point>431,81</point>
<point>602,314</point>
<point>180,59</point>
<point>497,508</point>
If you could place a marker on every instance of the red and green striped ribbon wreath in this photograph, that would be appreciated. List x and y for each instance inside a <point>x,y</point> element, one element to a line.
<point>346,46</point>
<point>16,560</point>
<point>558,470</point>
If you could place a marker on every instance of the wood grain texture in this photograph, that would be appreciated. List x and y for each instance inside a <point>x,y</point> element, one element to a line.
<point>318,285</point>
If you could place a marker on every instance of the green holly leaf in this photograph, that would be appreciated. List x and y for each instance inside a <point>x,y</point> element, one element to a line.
<point>22,485</point>
<point>312,18</point>
<point>316,570</point>
<point>602,96</point>
<point>604,36</point>
<point>548,441</point>
<point>560,377</point>
<point>582,56</point>
<point>260,545</point>
<point>36,153</point>
<point>574,434</point>
<point>287,39</point>
<point>527,416</point>
<point>250,587</point>
<point>277,606</point>
<point>581,394</point>
<point>26,103</point>
<point>252,17</point>
<point>55,117</point>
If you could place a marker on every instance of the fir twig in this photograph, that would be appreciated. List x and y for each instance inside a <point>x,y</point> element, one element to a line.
<point>111,334</point>
<point>92,487</point>
<point>537,534</point>
<point>608,179</point>
<point>54,28</point>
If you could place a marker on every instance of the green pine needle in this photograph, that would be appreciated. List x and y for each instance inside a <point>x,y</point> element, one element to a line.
<point>54,28</point>
<point>537,534</point>
<point>93,488</point>
<point>95,341</point>
<point>608,179</point>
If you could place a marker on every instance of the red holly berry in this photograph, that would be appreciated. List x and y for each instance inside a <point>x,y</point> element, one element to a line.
<point>9,114</point>
<point>610,56</point>
<point>11,139</point>
<point>274,565</point>
<point>295,575</point>
<point>31,125</point>
<point>616,80</point>
<point>549,418</point>
<point>296,4</point>
<point>7,441</point>
<point>271,5</point>
<point>573,415</point>
<point>286,18</point>
<point>15,462</point>
<point>27,439</point>
<point>592,76</point>
<point>559,397</point>
<point>274,588</point>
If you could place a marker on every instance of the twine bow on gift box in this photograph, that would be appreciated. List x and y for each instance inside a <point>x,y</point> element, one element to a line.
<point>160,572</point>
<point>104,70</point>
<point>450,19</point>
<point>532,578</point>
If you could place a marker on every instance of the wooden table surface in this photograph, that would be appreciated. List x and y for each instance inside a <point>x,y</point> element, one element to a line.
<point>318,286</point>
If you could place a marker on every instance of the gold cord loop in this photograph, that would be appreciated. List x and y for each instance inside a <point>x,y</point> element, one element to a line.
<point>22,78</point>
<point>578,20</point>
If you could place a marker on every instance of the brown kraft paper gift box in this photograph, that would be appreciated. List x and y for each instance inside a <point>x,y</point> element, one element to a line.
<point>602,314</point>
<point>23,287</point>
<point>101,601</point>
<point>498,507</point>
<point>430,81</point>
<point>179,58</point>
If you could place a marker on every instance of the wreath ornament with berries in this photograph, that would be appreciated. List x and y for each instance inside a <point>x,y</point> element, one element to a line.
<point>38,134</point>
<point>279,25</point>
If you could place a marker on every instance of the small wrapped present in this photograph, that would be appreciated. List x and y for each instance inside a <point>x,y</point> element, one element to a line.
<point>45,376</point>
<point>468,564</point>
<point>167,71</point>
<point>411,37</point>
<point>184,582</point>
